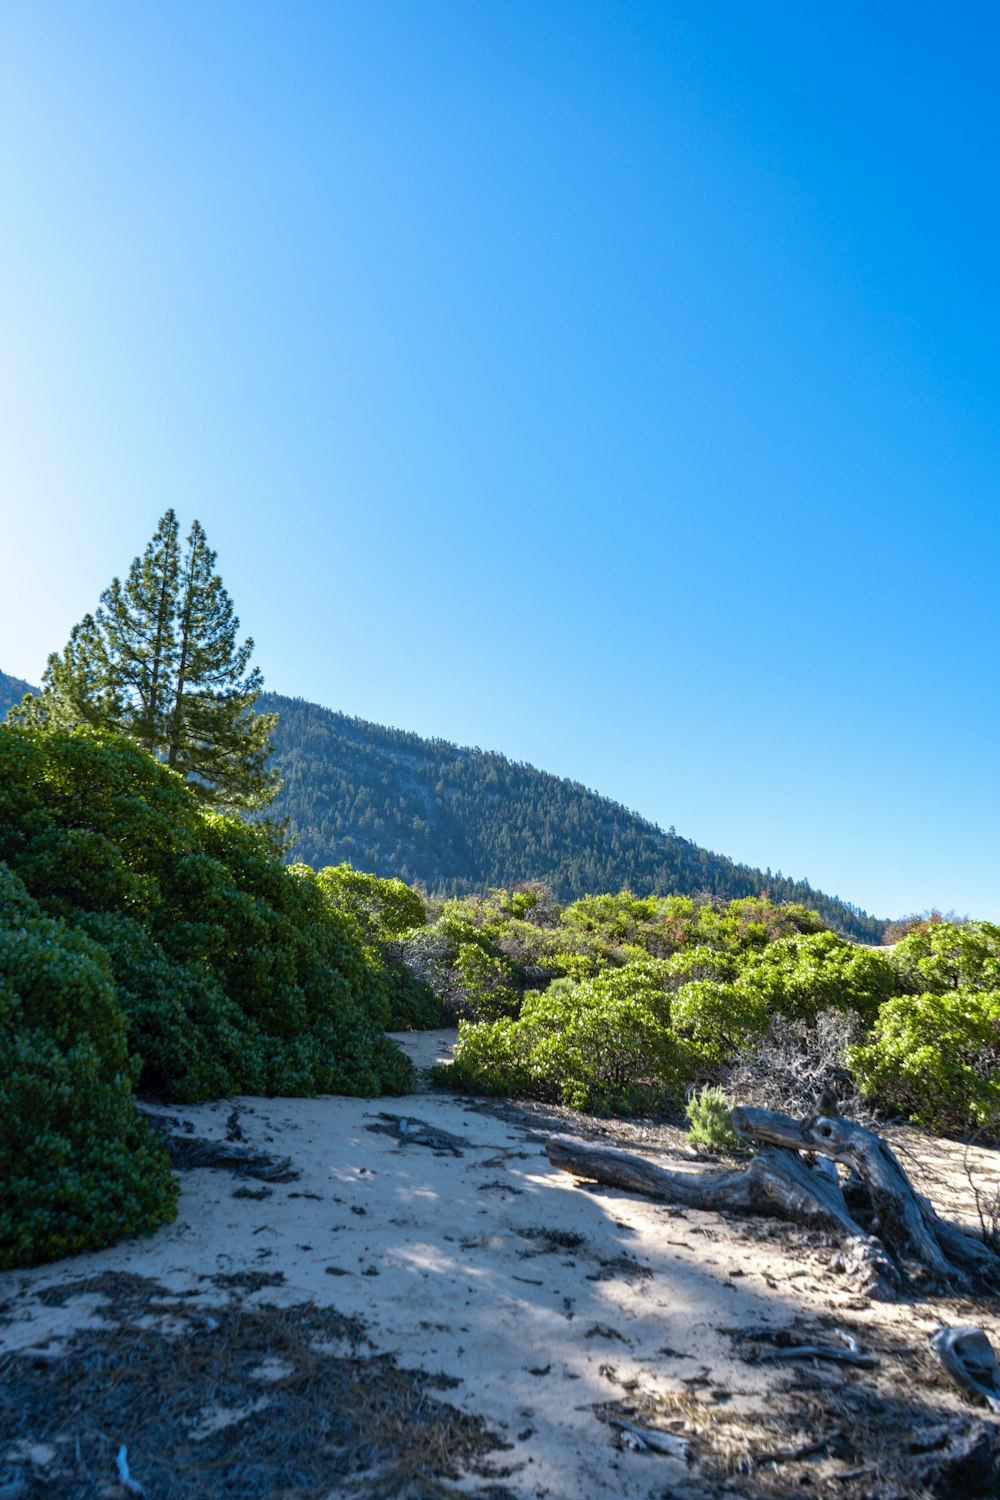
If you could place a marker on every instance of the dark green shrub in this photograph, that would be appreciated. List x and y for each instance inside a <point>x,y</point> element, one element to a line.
<point>235,974</point>
<point>413,1005</point>
<point>934,1058</point>
<point>79,1168</point>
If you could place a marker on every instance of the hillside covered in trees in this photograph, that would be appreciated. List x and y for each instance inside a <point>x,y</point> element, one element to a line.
<point>12,690</point>
<point>464,820</point>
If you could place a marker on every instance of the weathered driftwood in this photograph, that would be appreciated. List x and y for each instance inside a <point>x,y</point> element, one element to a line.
<point>828,1352</point>
<point>791,1177</point>
<point>968,1357</point>
<point>903,1223</point>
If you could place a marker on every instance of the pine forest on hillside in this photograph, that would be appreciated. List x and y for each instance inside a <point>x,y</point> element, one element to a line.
<point>464,820</point>
<point>458,820</point>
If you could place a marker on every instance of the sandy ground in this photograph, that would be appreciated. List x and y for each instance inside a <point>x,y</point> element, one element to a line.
<point>548,1307</point>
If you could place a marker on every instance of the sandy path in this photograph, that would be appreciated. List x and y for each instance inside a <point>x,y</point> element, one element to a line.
<point>541,1299</point>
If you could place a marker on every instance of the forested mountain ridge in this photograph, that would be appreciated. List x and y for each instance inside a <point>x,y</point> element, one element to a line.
<point>462,820</point>
<point>12,690</point>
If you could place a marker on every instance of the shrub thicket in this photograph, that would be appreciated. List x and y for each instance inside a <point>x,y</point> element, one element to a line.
<point>643,995</point>
<point>934,1058</point>
<point>224,971</point>
<point>79,1167</point>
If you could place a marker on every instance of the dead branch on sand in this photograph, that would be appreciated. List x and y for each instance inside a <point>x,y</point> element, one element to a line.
<point>891,1234</point>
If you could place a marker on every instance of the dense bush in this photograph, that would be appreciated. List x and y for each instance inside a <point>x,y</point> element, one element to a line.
<point>604,1044</point>
<point>186,953</point>
<point>942,956</point>
<point>934,1058</point>
<point>79,1167</point>
<point>800,976</point>
<point>385,912</point>
<point>715,1020</point>
<point>234,973</point>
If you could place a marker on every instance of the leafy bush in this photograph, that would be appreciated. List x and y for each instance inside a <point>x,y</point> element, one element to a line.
<point>384,908</point>
<point>801,975</point>
<point>234,973</point>
<point>710,1121</point>
<point>79,1167</point>
<point>604,1044</point>
<point>934,1058</point>
<point>945,956</point>
<point>382,912</point>
<point>493,1058</point>
<point>715,1020</point>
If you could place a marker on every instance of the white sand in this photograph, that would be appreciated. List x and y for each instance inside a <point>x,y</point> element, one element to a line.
<point>445,1261</point>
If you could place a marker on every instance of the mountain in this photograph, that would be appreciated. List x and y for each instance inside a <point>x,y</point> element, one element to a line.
<point>12,690</point>
<point>462,820</point>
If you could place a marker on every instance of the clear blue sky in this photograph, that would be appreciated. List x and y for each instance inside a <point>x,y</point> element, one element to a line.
<point>611,384</point>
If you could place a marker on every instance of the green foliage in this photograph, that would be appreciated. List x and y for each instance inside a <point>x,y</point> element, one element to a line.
<point>235,974</point>
<point>603,1045</point>
<point>802,975</point>
<point>79,1168</point>
<point>942,956</point>
<point>716,1020</point>
<point>710,1121</point>
<point>384,911</point>
<point>413,1005</point>
<point>934,1057</point>
<point>159,661</point>
<point>493,1058</point>
<point>462,821</point>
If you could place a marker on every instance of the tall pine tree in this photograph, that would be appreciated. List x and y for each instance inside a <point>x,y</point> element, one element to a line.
<point>160,660</point>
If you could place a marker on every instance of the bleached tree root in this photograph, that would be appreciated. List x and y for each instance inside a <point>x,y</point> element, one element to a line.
<point>793,1177</point>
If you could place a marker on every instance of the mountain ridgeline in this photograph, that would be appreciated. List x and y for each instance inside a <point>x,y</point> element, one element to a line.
<point>461,820</point>
<point>12,690</point>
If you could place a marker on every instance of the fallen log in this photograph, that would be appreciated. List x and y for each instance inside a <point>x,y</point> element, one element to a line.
<point>904,1225</point>
<point>791,1177</point>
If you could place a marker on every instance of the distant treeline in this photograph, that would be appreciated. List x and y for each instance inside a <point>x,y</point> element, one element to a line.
<point>12,690</point>
<point>460,821</point>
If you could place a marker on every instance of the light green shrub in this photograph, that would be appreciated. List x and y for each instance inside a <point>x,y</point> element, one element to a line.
<point>604,1044</point>
<point>934,1058</point>
<point>945,956</point>
<point>714,1021</point>
<point>799,976</point>
<point>710,1121</point>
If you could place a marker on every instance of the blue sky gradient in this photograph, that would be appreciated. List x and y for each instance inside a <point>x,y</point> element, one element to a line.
<point>614,385</point>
